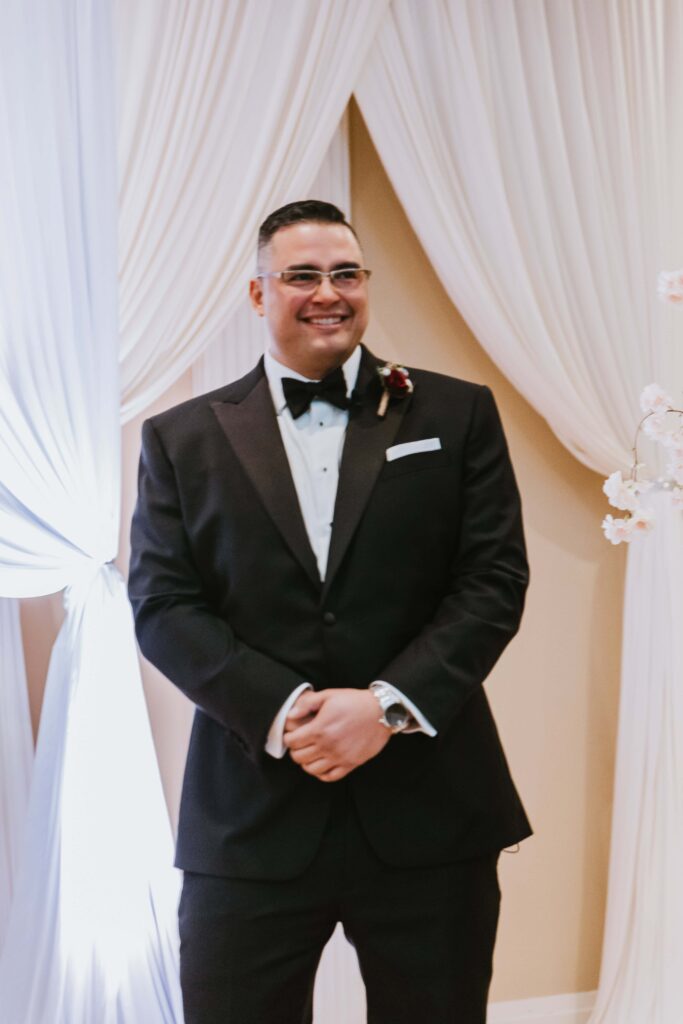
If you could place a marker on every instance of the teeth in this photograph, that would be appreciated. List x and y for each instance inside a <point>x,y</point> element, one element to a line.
<point>325,320</point>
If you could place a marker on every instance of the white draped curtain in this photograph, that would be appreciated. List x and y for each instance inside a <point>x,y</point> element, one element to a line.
<point>226,112</point>
<point>16,753</point>
<point>240,343</point>
<point>536,148</point>
<point>91,932</point>
<point>227,105</point>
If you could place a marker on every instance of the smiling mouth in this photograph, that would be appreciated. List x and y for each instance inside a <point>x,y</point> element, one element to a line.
<point>324,321</point>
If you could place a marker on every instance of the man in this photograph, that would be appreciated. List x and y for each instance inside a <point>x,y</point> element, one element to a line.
<point>329,571</point>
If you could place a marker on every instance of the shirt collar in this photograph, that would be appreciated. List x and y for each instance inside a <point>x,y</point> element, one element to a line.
<point>275,371</point>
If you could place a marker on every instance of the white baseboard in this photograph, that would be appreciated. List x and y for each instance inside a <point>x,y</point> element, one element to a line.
<point>574,1008</point>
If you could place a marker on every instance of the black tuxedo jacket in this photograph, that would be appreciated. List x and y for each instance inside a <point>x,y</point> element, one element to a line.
<point>424,588</point>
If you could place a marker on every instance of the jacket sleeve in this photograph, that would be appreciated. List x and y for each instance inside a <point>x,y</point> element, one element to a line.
<point>178,630</point>
<point>482,608</point>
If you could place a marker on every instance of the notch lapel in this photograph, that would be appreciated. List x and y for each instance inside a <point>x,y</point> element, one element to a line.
<point>250,425</point>
<point>367,438</point>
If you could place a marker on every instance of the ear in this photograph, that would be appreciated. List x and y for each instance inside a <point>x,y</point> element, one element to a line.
<point>256,295</point>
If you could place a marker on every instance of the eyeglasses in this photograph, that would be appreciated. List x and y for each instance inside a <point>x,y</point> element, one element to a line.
<point>342,279</point>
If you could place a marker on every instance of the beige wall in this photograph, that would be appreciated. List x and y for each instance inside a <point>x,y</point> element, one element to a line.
<point>554,691</point>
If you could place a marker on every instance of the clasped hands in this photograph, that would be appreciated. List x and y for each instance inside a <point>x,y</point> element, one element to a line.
<point>331,732</point>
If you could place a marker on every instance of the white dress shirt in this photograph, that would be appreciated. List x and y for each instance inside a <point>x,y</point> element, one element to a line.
<point>313,444</point>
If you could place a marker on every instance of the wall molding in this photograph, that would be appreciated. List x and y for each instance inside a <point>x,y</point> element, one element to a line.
<point>573,1008</point>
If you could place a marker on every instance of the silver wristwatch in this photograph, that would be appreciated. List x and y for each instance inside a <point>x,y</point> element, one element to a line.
<point>395,716</point>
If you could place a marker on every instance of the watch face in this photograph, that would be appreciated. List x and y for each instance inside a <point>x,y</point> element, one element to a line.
<point>396,715</point>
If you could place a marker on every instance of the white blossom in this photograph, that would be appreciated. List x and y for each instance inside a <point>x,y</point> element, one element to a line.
<point>674,467</point>
<point>623,494</point>
<point>670,286</point>
<point>653,398</point>
<point>672,438</point>
<point>665,429</point>
<point>656,427</point>
<point>617,530</point>
<point>642,521</point>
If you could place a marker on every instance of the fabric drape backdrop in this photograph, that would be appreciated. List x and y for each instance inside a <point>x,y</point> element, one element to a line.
<point>537,151</point>
<point>339,991</point>
<point>91,935</point>
<point>66,547</point>
<point>16,752</point>
<point>226,112</point>
<point>237,346</point>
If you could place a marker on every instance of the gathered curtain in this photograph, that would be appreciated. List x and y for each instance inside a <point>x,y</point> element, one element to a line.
<point>226,111</point>
<point>16,753</point>
<point>536,150</point>
<point>237,347</point>
<point>91,933</point>
<point>221,101</point>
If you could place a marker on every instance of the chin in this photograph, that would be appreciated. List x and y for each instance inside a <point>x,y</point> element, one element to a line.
<point>334,356</point>
<point>331,344</point>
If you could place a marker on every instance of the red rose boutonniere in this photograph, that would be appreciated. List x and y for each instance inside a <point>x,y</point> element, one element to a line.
<point>395,382</point>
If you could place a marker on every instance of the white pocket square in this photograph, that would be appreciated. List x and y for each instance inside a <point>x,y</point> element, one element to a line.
<point>429,444</point>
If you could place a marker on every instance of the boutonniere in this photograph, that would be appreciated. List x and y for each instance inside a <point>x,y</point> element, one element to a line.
<point>396,383</point>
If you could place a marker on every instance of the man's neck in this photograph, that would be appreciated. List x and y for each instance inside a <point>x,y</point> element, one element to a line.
<point>312,371</point>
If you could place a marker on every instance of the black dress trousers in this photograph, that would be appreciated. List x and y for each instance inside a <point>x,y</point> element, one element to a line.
<point>424,936</point>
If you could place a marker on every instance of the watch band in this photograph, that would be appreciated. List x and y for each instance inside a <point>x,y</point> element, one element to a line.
<point>395,716</point>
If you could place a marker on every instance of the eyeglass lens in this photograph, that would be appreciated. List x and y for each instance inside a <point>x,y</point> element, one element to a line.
<point>344,277</point>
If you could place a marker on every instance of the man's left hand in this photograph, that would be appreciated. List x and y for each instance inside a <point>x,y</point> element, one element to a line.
<point>344,733</point>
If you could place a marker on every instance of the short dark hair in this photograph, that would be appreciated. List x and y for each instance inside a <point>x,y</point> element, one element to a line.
<point>294,213</point>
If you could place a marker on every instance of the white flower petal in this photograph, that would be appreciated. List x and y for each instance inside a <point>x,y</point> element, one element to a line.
<point>654,398</point>
<point>616,530</point>
<point>670,286</point>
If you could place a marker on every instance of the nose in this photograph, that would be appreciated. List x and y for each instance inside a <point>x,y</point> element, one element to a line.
<point>326,292</point>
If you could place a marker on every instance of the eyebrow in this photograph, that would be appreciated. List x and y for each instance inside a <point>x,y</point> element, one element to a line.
<point>312,266</point>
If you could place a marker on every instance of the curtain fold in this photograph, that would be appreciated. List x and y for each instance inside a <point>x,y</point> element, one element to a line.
<point>91,928</point>
<point>226,111</point>
<point>642,967</point>
<point>536,151</point>
<point>16,753</point>
<point>533,149</point>
<point>241,342</point>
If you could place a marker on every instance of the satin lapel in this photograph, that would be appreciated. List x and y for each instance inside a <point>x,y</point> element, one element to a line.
<point>367,439</point>
<point>250,426</point>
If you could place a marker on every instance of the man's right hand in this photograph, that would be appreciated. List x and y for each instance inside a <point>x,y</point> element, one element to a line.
<point>334,731</point>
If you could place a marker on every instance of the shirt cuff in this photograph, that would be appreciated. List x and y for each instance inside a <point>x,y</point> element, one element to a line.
<point>422,724</point>
<point>275,745</point>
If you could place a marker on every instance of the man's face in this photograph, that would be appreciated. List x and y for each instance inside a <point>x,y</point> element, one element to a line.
<point>311,331</point>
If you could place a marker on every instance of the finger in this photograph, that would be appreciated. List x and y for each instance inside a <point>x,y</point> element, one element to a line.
<point>305,755</point>
<point>292,723</point>
<point>306,704</point>
<point>300,715</point>
<point>318,767</point>
<point>301,736</point>
<point>295,739</point>
<point>334,774</point>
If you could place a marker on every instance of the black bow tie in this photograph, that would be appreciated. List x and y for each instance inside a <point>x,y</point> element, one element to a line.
<point>300,393</point>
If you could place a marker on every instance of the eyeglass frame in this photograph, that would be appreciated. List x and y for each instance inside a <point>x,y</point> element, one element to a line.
<point>320,274</point>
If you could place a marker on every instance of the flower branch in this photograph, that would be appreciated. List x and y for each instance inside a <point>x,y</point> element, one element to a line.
<point>625,494</point>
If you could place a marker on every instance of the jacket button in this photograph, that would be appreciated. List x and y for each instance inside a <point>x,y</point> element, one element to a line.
<point>329,618</point>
